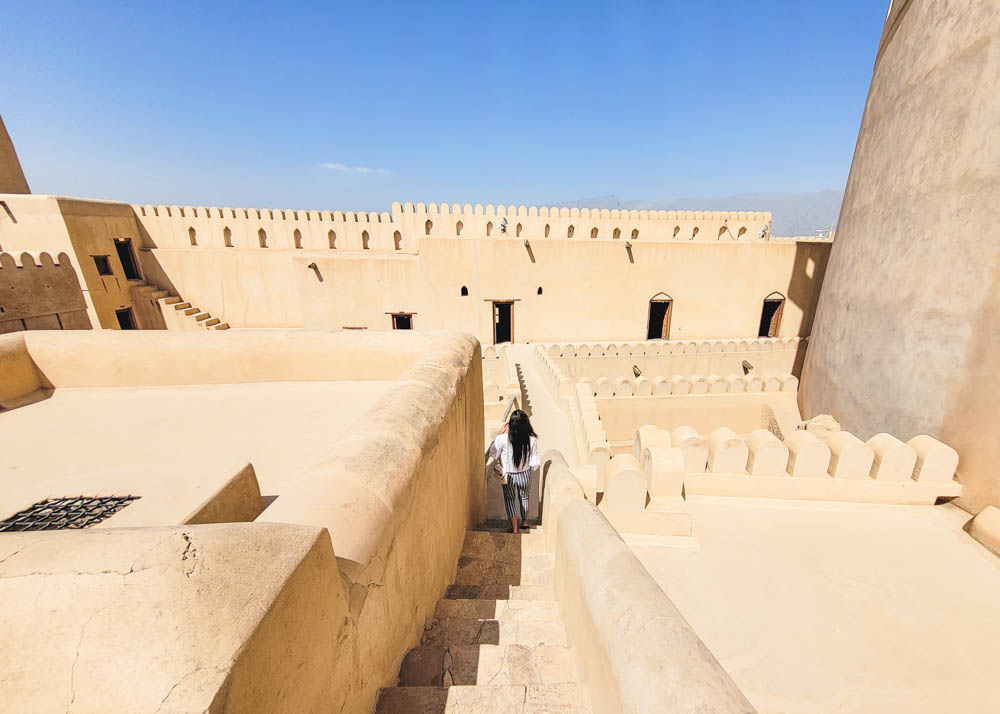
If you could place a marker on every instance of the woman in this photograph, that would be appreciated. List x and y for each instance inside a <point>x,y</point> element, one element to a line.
<point>516,446</point>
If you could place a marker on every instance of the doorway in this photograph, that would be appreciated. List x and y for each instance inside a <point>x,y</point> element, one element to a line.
<point>127,257</point>
<point>770,315</point>
<point>402,321</point>
<point>658,326</point>
<point>503,322</point>
<point>126,320</point>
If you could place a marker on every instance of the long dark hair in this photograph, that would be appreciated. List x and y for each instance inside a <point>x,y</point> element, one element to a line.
<point>520,432</point>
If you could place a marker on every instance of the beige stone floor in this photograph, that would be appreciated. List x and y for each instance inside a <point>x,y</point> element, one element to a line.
<point>281,427</point>
<point>827,607</point>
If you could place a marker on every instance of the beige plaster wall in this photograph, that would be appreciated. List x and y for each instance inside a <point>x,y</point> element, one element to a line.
<point>11,175</point>
<point>82,229</point>
<point>636,651</point>
<point>905,338</point>
<point>231,617</point>
<point>369,271</point>
<point>38,292</point>
<point>397,495</point>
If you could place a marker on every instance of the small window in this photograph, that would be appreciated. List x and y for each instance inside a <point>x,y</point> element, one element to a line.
<point>458,228</point>
<point>227,237</point>
<point>677,229</point>
<point>297,237</point>
<point>331,237</point>
<point>465,291</point>
<point>593,232</point>
<point>517,231</point>
<point>617,233</point>
<point>539,289</point>
<point>402,321</point>
<point>569,232</point>
<point>694,233</point>
<point>126,320</point>
<point>103,263</point>
<point>546,230</point>
<point>262,237</point>
<point>193,236</point>
<point>397,240</point>
<point>635,234</point>
<point>427,227</point>
<point>489,229</point>
<point>364,240</point>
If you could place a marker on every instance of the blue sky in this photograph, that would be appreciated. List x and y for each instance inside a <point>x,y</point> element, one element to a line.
<point>354,105</point>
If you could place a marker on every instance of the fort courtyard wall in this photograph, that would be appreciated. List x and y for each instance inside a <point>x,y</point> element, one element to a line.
<point>905,336</point>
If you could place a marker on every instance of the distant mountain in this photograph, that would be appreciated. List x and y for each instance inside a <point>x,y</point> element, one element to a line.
<point>793,214</point>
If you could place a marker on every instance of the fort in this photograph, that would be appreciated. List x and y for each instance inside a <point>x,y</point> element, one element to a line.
<point>243,448</point>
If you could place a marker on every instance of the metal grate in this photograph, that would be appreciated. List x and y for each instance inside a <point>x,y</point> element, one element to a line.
<point>58,513</point>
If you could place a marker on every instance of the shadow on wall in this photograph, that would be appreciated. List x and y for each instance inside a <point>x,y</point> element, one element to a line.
<point>808,271</point>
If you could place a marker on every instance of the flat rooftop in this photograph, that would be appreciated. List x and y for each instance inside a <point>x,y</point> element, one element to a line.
<point>835,607</point>
<point>83,440</point>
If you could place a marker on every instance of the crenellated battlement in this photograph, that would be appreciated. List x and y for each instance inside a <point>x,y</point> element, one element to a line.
<point>36,259</point>
<point>402,228</point>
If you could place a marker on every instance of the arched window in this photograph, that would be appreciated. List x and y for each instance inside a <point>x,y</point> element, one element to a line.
<point>660,310</point>
<point>517,231</point>
<point>227,237</point>
<point>427,227</point>
<point>593,232</point>
<point>539,289</point>
<point>397,240</point>
<point>617,233</point>
<point>192,235</point>
<point>364,240</point>
<point>297,237</point>
<point>569,232</point>
<point>465,291</point>
<point>770,315</point>
<point>489,229</point>
<point>458,228</point>
<point>546,230</point>
<point>635,234</point>
<point>331,238</point>
<point>262,237</point>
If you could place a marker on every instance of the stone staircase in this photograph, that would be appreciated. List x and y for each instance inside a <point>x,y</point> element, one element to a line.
<point>496,643</point>
<point>181,315</point>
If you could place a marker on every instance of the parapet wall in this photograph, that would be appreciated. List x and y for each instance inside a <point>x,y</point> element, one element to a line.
<point>213,227</point>
<point>38,292</point>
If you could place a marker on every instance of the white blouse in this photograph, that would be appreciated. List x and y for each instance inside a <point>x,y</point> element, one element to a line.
<point>502,446</point>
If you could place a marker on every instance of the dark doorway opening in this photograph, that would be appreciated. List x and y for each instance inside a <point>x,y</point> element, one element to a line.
<point>126,320</point>
<point>659,318</point>
<point>770,316</point>
<point>127,256</point>
<point>503,322</point>
<point>402,321</point>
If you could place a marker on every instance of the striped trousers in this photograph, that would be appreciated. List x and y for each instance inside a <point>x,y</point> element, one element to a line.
<point>517,489</point>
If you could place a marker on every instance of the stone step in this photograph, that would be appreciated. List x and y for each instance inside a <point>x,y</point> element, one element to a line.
<point>202,316</point>
<point>182,305</point>
<point>192,311</point>
<point>157,294</point>
<point>172,300</point>
<point>506,547</point>
<point>451,665</point>
<point>501,592</point>
<point>222,326</point>
<point>565,698</point>
<point>495,622</point>
<point>213,322</point>
<point>534,569</point>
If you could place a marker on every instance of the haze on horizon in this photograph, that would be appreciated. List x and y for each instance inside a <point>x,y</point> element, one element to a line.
<point>352,106</point>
